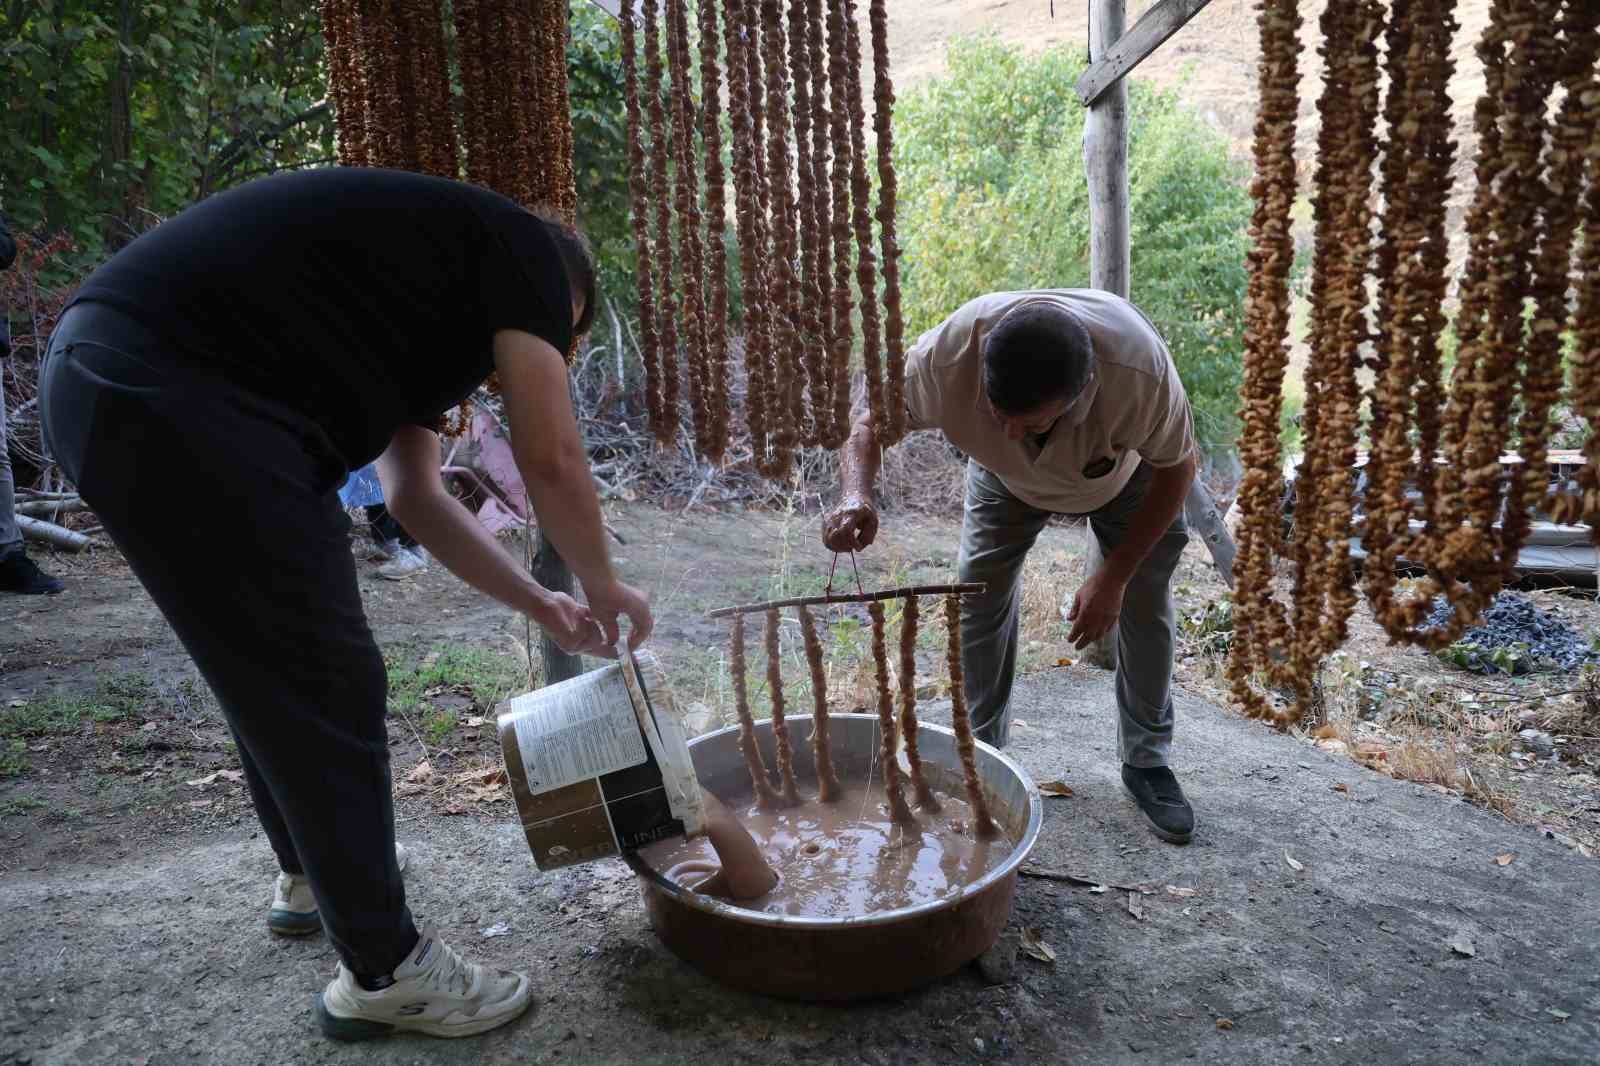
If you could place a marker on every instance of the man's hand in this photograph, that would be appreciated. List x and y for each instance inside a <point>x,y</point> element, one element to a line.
<point>850,526</point>
<point>572,626</point>
<point>1095,608</point>
<point>608,602</point>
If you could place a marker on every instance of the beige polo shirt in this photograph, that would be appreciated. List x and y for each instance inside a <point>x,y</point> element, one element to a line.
<point>1135,407</point>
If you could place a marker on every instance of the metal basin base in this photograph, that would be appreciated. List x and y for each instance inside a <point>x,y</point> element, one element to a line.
<point>858,957</point>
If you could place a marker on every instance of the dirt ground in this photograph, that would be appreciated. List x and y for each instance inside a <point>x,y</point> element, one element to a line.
<point>133,878</point>
<point>1335,917</point>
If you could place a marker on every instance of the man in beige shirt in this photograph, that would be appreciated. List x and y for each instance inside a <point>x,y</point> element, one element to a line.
<point>1066,401</point>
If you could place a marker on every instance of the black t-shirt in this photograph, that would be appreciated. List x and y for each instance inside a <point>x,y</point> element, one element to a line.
<point>364,299</point>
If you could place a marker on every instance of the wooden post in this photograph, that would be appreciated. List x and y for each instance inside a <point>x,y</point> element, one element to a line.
<point>1105,164</point>
<point>550,570</point>
<point>1105,159</point>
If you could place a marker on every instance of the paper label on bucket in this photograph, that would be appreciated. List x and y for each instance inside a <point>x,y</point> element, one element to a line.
<point>578,729</point>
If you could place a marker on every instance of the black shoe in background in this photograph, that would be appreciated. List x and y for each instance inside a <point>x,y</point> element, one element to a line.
<point>19,574</point>
<point>1156,791</point>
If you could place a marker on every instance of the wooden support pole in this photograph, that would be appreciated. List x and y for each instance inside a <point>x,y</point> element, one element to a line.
<point>550,570</point>
<point>1105,159</point>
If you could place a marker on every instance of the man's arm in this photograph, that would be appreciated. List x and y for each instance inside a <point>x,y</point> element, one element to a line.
<point>1163,502</point>
<point>413,492</point>
<point>853,523</point>
<point>555,469</point>
<point>1098,603</point>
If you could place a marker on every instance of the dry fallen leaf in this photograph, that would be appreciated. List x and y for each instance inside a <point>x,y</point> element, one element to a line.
<point>235,776</point>
<point>419,773</point>
<point>1135,908</point>
<point>1054,788</point>
<point>1034,946</point>
<point>1333,745</point>
<point>1294,864</point>
<point>1181,893</point>
<point>1224,1023</point>
<point>1064,661</point>
<point>475,721</point>
<point>1326,732</point>
<point>1505,858</point>
<point>493,776</point>
<point>1461,944</point>
<point>1341,787</point>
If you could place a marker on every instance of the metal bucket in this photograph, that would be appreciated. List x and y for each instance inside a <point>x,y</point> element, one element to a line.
<point>845,958</point>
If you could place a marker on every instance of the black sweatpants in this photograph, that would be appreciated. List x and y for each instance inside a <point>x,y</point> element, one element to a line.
<point>181,465</point>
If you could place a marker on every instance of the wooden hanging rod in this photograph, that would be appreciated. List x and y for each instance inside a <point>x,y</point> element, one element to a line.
<point>965,589</point>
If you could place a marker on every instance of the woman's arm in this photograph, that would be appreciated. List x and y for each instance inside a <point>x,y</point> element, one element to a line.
<point>555,469</point>
<point>414,493</point>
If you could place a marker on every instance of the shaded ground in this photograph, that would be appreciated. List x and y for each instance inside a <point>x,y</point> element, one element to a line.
<point>161,956</point>
<point>133,879</point>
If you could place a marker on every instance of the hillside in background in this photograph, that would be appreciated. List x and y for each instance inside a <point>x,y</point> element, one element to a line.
<point>1210,63</point>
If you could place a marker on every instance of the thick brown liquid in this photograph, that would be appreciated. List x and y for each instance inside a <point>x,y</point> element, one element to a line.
<point>847,858</point>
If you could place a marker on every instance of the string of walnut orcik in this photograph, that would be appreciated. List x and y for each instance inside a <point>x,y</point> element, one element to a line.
<point>1437,494</point>
<point>389,78</point>
<point>803,216</point>
<point>782,789</point>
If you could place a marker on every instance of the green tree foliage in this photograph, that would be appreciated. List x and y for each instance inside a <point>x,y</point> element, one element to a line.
<point>993,198</point>
<point>122,112</point>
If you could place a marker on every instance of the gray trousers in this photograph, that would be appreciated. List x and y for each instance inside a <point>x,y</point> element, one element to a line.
<point>10,535</point>
<point>996,533</point>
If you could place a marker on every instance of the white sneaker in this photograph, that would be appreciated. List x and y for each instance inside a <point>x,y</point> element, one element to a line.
<point>383,551</point>
<point>435,991</point>
<point>294,908</point>
<point>406,562</point>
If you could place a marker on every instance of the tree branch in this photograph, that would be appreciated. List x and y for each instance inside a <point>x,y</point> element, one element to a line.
<point>965,589</point>
<point>233,153</point>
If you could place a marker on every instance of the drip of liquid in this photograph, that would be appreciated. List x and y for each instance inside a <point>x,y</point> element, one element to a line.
<point>847,858</point>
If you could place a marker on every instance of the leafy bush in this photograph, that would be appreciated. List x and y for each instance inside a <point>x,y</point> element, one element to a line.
<point>993,197</point>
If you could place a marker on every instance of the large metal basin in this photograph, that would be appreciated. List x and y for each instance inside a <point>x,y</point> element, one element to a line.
<point>851,958</point>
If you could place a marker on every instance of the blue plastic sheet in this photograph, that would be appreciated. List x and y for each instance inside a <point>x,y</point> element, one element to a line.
<point>361,489</point>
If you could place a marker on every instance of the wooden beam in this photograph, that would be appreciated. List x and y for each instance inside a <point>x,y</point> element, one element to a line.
<point>1105,160</point>
<point>1132,48</point>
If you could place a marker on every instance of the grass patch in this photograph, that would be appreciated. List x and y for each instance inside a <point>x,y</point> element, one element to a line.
<point>113,700</point>
<point>11,808</point>
<point>486,677</point>
<point>438,725</point>
<point>13,758</point>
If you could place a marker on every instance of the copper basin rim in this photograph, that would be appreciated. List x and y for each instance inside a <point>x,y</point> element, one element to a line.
<point>861,956</point>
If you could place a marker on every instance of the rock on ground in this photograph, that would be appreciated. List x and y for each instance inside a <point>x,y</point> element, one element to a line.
<point>1356,957</point>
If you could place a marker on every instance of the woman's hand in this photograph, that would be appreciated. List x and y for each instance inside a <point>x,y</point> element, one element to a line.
<point>571,625</point>
<point>610,601</point>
